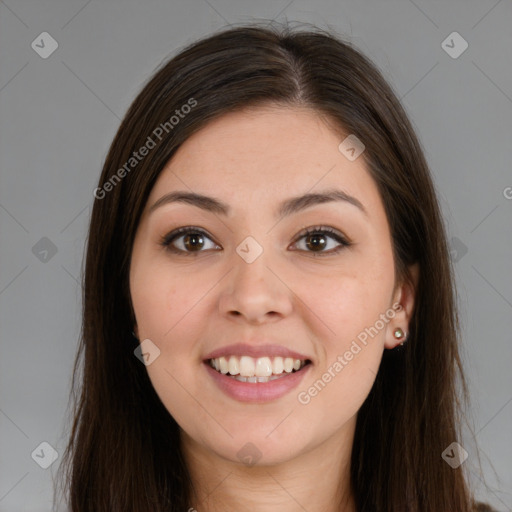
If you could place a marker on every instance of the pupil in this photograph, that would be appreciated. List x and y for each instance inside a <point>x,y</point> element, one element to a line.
<point>193,239</point>
<point>318,241</point>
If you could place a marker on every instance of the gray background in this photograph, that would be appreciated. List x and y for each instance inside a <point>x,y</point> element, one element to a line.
<point>59,115</point>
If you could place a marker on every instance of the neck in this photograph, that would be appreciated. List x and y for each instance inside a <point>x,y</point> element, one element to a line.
<point>317,480</point>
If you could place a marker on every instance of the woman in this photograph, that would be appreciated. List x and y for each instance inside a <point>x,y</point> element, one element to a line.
<point>269,319</point>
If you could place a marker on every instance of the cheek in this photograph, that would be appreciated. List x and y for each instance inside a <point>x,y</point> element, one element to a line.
<point>168,305</point>
<point>351,309</point>
<point>356,309</point>
<point>162,299</point>
<point>351,354</point>
<point>351,299</point>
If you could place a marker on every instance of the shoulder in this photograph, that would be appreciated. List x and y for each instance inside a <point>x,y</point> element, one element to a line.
<point>482,507</point>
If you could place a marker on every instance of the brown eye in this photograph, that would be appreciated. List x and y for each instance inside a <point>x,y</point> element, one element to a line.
<point>318,239</point>
<point>188,241</point>
<point>193,241</point>
<point>316,242</point>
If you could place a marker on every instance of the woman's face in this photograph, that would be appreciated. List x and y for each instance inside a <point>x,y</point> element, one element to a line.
<point>249,292</point>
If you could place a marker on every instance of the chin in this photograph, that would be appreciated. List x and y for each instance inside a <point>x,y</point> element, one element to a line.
<point>255,448</point>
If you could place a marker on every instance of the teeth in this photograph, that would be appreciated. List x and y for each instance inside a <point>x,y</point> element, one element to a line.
<point>261,369</point>
<point>277,365</point>
<point>233,365</point>
<point>259,379</point>
<point>288,364</point>
<point>247,366</point>
<point>223,365</point>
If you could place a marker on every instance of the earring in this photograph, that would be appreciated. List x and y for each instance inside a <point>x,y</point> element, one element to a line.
<point>133,334</point>
<point>399,334</point>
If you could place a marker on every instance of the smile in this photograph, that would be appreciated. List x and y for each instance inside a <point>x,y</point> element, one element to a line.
<point>261,369</point>
<point>256,380</point>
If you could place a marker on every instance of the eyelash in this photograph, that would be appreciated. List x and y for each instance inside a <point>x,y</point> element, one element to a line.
<point>166,240</point>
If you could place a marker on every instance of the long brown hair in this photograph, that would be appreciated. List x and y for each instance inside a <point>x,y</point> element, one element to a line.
<point>123,452</point>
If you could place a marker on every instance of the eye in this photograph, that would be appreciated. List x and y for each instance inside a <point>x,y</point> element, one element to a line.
<point>187,241</point>
<point>317,239</point>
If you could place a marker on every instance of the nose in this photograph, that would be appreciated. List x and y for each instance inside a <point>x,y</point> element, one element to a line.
<point>255,292</point>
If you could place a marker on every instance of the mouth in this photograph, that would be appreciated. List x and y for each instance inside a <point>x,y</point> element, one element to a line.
<point>256,370</point>
<point>256,373</point>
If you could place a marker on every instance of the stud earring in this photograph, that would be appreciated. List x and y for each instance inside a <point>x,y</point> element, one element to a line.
<point>400,335</point>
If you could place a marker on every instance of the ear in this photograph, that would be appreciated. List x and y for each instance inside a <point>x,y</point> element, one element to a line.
<point>403,304</point>
<point>136,331</point>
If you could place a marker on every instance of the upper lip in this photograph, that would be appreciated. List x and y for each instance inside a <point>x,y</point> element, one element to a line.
<point>243,349</point>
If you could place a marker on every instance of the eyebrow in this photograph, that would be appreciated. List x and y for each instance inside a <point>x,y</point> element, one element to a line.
<point>286,208</point>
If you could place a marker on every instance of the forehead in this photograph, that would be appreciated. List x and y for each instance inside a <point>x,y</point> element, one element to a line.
<point>267,154</point>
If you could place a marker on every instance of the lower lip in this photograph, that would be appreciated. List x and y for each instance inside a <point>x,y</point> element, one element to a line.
<point>257,391</point>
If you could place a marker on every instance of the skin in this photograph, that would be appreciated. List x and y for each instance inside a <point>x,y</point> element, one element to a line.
<point>316,305</point>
